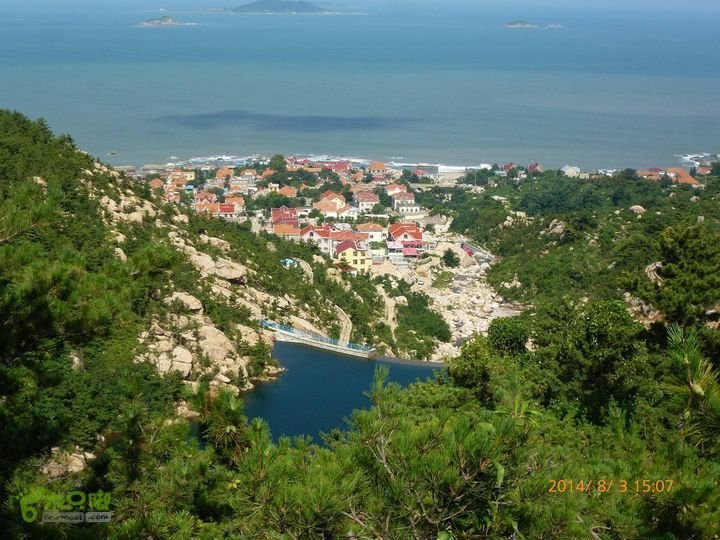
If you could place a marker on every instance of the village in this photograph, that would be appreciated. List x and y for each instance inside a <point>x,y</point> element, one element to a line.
<point>364,216</point>
<point>366,219</point>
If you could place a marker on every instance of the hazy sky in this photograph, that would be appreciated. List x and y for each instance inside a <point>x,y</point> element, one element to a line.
<point>508,5</point>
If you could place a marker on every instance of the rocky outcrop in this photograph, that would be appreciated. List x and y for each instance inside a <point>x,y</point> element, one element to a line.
<point>641,311</point>
<point>556,227</point>
<point>61,464</point>
<point>468,306</point>
<point>193,346</point>
<point>189,301</point>
<point>216,242</point>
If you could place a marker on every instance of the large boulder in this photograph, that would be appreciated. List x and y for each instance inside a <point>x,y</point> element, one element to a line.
<point>214,343</point>
<point>216,242</point>
<point>189,301</point>
<point>182,360</point>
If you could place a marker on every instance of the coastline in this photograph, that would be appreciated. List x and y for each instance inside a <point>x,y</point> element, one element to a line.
<point>677,159</point>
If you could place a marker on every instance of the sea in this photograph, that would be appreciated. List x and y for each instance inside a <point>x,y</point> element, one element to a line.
<point>442,82</point>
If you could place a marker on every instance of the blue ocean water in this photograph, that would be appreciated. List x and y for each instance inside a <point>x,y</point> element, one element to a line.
<point>447,84</point>
<point>320,390</point>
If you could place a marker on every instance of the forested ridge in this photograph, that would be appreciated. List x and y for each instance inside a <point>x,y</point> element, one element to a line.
<point>579,388</point>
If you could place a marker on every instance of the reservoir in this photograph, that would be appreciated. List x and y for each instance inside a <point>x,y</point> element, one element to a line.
<point>320,389</point>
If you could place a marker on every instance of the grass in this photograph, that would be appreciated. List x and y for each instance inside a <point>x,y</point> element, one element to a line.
<point>443,280</point>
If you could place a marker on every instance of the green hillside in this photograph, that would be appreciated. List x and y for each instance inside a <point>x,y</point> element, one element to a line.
<point>95,274</point>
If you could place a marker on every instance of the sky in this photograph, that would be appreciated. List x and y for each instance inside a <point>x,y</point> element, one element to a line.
<point>509,5</point>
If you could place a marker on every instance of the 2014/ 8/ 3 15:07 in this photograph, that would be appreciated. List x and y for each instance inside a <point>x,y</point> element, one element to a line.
<point>610,486</point>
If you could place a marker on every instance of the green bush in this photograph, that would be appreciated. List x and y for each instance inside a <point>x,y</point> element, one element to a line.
<point>508,335</point>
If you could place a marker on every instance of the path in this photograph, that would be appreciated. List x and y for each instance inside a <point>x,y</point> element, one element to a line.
<point>347,326</point>
<point>286,333</point>
<point>390,309</point>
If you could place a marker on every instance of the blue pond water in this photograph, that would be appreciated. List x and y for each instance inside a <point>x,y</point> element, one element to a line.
<point>320,390</point>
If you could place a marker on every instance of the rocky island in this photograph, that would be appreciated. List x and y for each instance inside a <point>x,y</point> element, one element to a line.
<point>521,25</point>
<point>161,22</point>
<point>279,7</point>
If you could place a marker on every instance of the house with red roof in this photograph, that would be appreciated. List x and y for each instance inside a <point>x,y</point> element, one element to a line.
<point>228,211</point>
<point>360,186</point>
<point>284,216</point>
<point>340,166</point>
<point>535,167</point>
<point>319,235</point>
<point>678,175</point>
<point>405,233</point>
<point>224,173</point>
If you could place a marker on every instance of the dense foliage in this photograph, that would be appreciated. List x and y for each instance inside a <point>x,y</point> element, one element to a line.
<point>575,390</point>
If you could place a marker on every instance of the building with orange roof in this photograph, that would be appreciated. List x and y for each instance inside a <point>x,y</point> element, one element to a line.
<point>405,232</point>
<point>680,176</point>
<point>288,191</point>
<point>156,183</point>
<point>365,200</point>
<point>267,173</point>
<point>239,202</point>
<point>377,168</point>
<point>649,175</point>
<point>360,186</point>
<point>208,208</point>
<point>375,232</point>
<point>224,173</point>
<point>329,194</point>
<point>329,207</point>
<point>206,196</point>
<point>287,230</point>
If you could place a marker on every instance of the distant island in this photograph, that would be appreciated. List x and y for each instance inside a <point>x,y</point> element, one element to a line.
<point>161,21</point>
<point>521,24</point>
<point>524,25</point>
<point>286,7</point>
